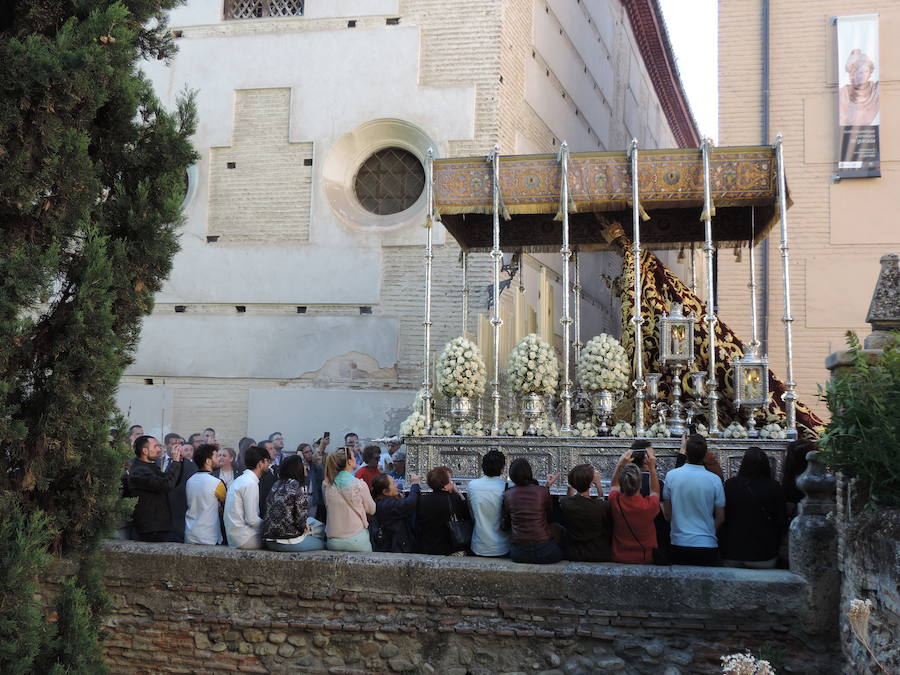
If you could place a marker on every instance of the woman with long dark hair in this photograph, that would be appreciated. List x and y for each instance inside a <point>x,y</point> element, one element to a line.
<point>526,514</point>
<point>391,527</point>
<point>794,465</point>
<point>286,527</point>
<point>754,515</point>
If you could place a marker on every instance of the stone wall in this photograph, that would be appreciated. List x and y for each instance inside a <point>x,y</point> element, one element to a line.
<point>869,560</point>
<point>180,608</point>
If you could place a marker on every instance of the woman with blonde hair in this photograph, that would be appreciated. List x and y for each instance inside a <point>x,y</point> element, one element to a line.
<point>347,501</point>
<point>634,532</point>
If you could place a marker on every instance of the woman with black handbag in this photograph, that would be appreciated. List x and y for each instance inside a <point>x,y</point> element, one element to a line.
<point>443,523</point>
<point>755,515</point>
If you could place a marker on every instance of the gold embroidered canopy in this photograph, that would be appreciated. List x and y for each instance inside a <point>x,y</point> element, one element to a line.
<point>743,183</point>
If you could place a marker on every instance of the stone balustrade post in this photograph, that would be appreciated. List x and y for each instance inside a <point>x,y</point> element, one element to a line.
<point>813,545</point>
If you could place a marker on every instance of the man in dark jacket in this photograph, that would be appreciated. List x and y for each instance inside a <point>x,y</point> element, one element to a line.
<point>152,519</point>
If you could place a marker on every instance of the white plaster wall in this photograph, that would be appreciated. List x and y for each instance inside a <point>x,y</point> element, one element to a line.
<point>339,80</point>
<point>570,53</point>
<point>150,406</point>
<point>249,345</point>
<point>371,414</point>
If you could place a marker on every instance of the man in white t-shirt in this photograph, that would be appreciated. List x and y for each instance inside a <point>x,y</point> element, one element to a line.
<point>205,496</point>
<point>485,498</point>
<point>694,502</point>
<point>243,526</point>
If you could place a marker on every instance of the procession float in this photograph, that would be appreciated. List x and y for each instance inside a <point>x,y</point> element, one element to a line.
<point>675,365</point>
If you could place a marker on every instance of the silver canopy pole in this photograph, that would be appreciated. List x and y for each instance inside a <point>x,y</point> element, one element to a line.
<point>429,227</point>
<point>578,343</point>
<point>465,292</point>
<point>712,383</point>
<point>754,329</point>
<point>566,254</point>
<point>790,397</point>
<point>636,319</point>
<point>496,321</point>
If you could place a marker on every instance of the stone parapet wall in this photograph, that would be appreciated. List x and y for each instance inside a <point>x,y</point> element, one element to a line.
<point>869,561</point>
<point>181,608</point>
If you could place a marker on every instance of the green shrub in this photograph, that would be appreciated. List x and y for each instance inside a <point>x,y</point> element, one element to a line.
<point>862,440</point>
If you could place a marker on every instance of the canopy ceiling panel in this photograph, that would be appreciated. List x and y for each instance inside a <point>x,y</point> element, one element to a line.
<point>671,194</point>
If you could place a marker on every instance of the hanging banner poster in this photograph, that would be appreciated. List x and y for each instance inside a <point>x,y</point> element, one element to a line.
<point>859,115</point>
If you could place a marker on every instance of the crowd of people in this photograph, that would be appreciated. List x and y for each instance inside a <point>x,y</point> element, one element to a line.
<point>353,499</point>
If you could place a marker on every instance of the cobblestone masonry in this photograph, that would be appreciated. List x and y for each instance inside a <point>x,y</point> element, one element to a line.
<point>202,610</point>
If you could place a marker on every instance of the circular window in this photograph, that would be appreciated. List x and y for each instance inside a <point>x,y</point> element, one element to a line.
<point>374,175</point>
<point>389,181</point>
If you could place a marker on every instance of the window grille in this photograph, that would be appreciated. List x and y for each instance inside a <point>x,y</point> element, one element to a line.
<point>390,181</point>
<point>258,9</point>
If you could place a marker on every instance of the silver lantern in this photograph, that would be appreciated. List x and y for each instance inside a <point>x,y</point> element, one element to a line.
<point>676,346</point>
<point>750,375</point>
<point>676,349</point>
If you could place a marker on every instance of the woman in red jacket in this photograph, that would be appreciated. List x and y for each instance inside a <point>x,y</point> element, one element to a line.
<point>634,532</point>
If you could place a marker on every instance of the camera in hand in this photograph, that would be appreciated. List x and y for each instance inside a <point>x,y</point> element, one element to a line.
<point>637,456</point>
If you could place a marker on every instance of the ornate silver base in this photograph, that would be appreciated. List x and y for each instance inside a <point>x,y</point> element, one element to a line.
<point>532,409</point>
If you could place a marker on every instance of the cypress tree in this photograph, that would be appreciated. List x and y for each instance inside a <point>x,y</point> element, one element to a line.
<point>92,175</point>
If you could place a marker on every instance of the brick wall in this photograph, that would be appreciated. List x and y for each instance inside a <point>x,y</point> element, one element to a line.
<point>266,192</point>
<point>802,106</point>
<point>180,608</point>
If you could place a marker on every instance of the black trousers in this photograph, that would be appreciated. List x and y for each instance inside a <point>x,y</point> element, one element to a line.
<point>694,555</point>
<point>165,535</point>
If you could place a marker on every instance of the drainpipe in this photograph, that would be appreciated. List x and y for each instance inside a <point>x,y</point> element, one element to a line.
<point>764,257</point>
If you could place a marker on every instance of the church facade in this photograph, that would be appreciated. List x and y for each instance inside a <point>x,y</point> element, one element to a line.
<point>296,301</point>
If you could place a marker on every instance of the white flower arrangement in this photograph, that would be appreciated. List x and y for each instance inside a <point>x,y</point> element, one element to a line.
<point>512,428</point>
<point>533,367</point>
<point>658,430</point>
<point>622,430</point>
<point>583,430</point>
<point>773,430</point>
<point>460,369</point>
<point>702,430</point>
<point>414,425</point>
<point>442,428</point>
<point>603,365</point>
<point>471,428</point>
<point>735,430</point>
<point>745,664</point>
<point>547,427</point>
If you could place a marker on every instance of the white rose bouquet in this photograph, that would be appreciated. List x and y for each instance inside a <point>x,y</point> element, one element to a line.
<point>658,430</point>
<point>702,430</point>
<point>414,425</point>
<point>471,428</point>
<point>442,428</point>
<point>460,369</point>
<point>583,430</point>
<point>533,367</point>
<point>622,430</point>
<point>547,428</point>
<point>773,430</point>
<point>603,365</point>
<point>512,428</point>
<point>735,430</point>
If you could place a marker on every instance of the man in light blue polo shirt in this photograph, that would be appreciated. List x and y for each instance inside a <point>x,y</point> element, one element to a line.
<point>485,497</point>
<point>694,502</point>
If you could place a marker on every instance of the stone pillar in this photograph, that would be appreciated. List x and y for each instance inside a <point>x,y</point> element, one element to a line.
<point>813,546</point>
<point>883,315</point>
